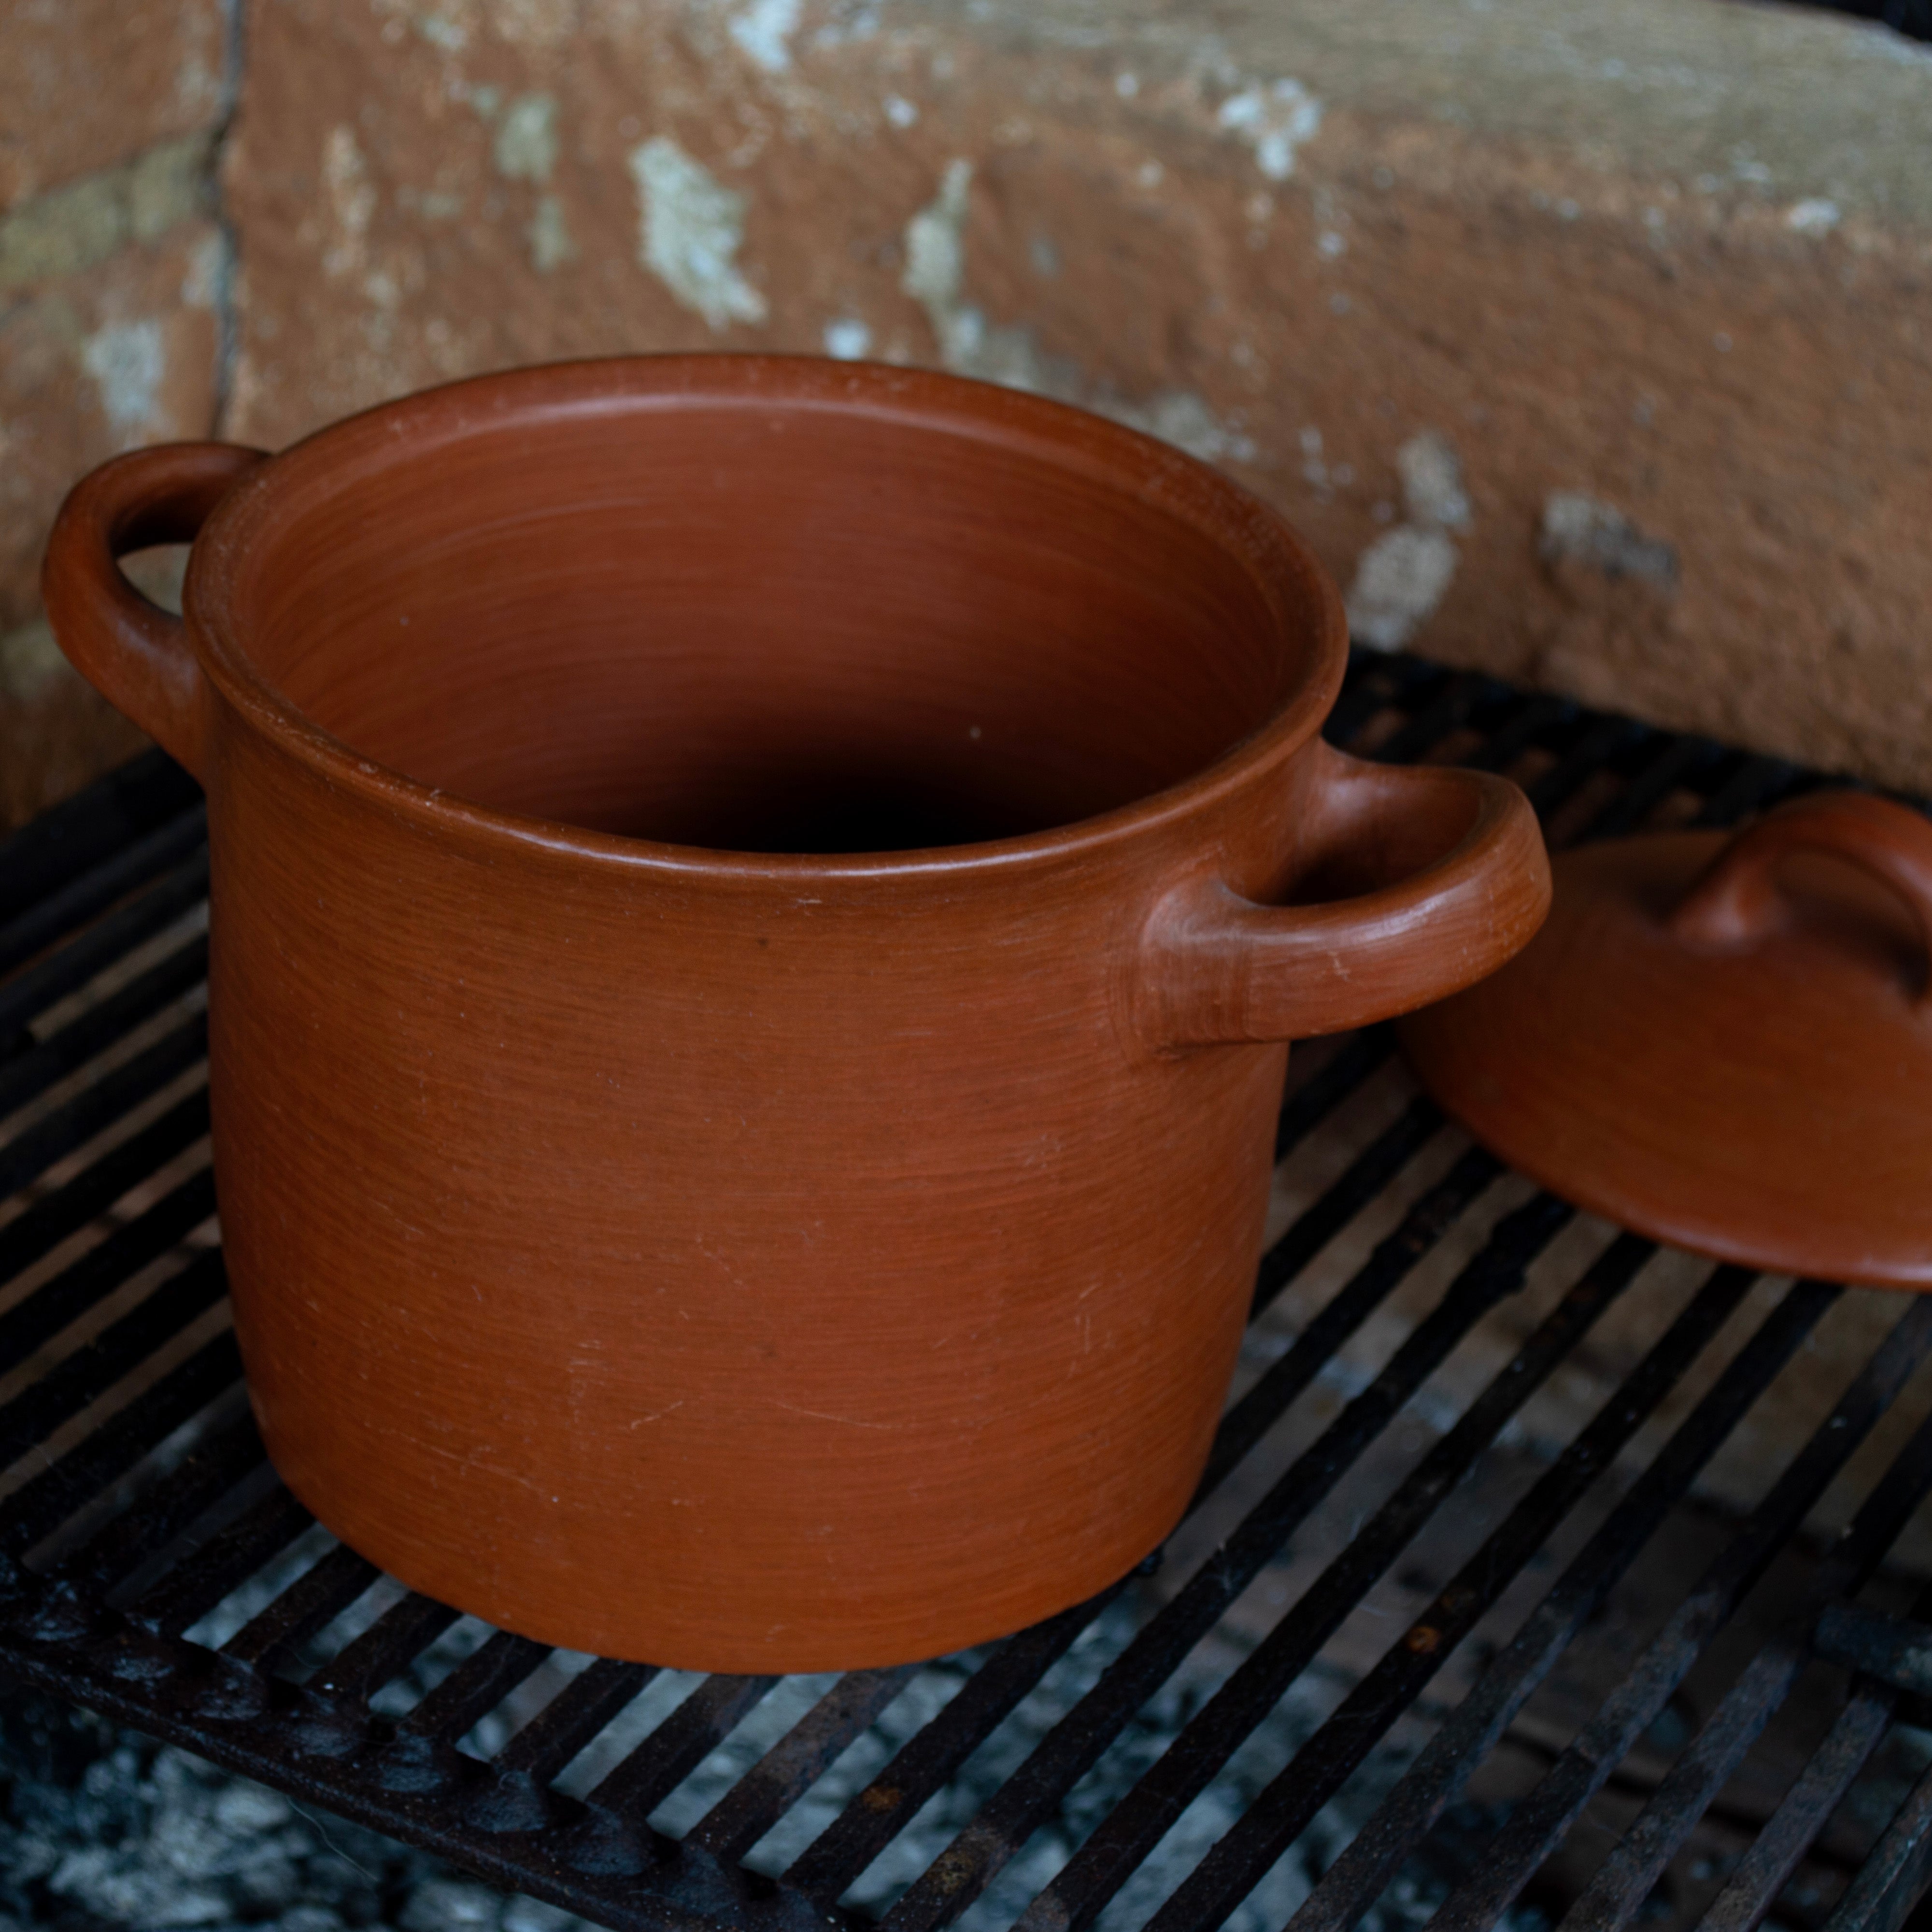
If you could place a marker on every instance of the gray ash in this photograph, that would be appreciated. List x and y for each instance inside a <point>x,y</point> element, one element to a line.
<point>101,1828</point>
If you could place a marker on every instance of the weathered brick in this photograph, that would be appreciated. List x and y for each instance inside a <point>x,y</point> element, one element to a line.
<point>123,352</point>
<point>87,84</point>
<point>83,222</point>
<point>1664,259</point>
<point>110,268</point>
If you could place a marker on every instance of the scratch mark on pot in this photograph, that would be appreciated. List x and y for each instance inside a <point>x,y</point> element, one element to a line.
<point>657,1415</point>
<point>474,1461</point>
<point>820,1415</point>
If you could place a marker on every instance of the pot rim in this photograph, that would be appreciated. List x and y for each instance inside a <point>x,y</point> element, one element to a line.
<point>1272,555</point>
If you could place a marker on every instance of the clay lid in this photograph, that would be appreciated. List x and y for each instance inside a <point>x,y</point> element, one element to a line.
<point>1722,1042</point>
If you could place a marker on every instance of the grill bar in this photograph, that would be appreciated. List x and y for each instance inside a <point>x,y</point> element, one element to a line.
<point>1538,1822</point>
<point>1625,1879</point>
<point>873,1819</point>
<point>94,825</point>
<point>1395,1257</point>
<point>29,932</point>
<point>1358,1877</point>
<point>29,1156</point>
<point>189,1592</point>
<point>1310,1105</point>
<point>1372,1172</point>
<point>39,987</point>
<point>476,1687</point>
<point>385,1649</point>
<point>792,1766</point>
<point>53,1218</point>
<point>192,1487</point>
<point>89,1372</point>
<point>550,1740</point>
<point>1077,1740</point>
<point>322,1595</point>
<point>30,1074</point>
<point>1897,1651</point>
<point>1762,1874</point>
<point>1137,1823</point>
<point>1238,1862</point>
<point>139,1531</point>
<point>1889,1882</point>
<point>97,1274</point>
<point>679,1746</point>
<point>39,1505</point>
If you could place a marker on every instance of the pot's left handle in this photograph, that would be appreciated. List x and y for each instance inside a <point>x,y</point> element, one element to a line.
<point>133,652</point>
<point>1471,887</point>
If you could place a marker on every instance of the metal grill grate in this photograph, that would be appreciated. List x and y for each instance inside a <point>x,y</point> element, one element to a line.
<point>1411,1570</point>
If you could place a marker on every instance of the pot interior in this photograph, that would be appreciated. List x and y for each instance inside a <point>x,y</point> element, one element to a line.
<point>761,626</point>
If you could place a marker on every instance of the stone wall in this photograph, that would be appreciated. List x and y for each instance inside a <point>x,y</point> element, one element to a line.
<point>1591,345</point>
<point>112,267</point>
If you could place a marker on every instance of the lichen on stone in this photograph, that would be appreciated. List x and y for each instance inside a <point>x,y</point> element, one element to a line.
<point>1578,528</point>
<point>1399,580</point>
<point>847,339</point>
<point>969,345</point>
<point>1405,574</point>
<point>350,197</point>
<point>73,227</point>
<point>763,29</point>
<point>549,236</point>
<point>1432,482</point>
<point>691,229</point>
<point>935,247</point>
<point>1275,120</point>
<point>1180,417</point>
<point>128,361</point>
<point>525,147</point>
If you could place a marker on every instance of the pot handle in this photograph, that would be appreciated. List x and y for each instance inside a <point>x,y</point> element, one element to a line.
<point>133,652</point>
<point>1736,900</point>
<point>1473,886</point>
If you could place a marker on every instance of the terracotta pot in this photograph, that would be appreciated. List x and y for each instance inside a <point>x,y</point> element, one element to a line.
<point>749,975</point>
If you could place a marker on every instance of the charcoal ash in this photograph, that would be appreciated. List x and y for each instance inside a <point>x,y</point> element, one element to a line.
<point>102,1829</point>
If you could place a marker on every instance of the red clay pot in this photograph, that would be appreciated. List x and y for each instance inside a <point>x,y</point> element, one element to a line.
<point>749,975</point>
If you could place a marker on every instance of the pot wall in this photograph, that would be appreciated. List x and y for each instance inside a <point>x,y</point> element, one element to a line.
<point>701,1272</point>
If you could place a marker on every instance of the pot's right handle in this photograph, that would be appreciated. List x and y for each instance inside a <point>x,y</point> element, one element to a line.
<point>133,652</point>
<point>1473,886</point>
<point>1735,901</point>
